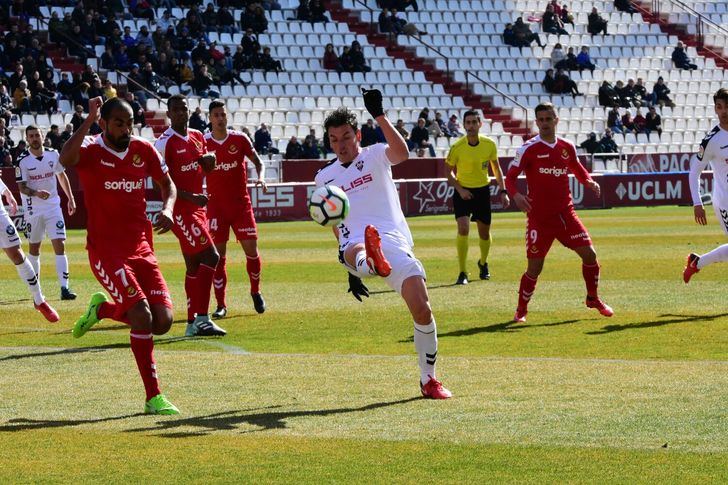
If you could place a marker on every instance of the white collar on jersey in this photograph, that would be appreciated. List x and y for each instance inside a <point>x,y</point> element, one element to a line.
<point>219,142</point>
<point>119,155</point>
<point>171,132</point>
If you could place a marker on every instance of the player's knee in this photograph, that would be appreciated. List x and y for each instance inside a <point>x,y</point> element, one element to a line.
<point>589,256</point>
<point>162,321</point>
<point>140,318</point>
<point>422,313</point>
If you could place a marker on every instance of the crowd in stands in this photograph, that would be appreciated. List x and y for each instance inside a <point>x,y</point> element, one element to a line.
<point>351,59</point>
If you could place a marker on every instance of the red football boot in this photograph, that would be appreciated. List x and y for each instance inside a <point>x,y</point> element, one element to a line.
<point>603,308</point>
<point>48,312</point>
<point>434,390</point>
<point>520,316</point>
<point>691,267</point>
<point>375,257</point>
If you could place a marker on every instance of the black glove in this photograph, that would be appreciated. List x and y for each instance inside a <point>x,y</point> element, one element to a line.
<point>373,101</point>
<point>357,288</point>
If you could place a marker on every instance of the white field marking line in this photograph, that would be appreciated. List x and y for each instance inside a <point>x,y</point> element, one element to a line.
<point>234,350</point>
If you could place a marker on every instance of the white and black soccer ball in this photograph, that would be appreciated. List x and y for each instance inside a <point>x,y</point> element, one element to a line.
<point>328,205</point>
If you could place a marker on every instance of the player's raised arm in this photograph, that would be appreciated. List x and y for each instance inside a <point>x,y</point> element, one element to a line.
<point>72,147</point>
<point>397,151</point>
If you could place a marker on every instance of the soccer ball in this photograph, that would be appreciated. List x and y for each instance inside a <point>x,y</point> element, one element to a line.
<point>328,205</point>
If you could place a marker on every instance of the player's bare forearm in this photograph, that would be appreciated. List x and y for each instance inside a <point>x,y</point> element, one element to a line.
<point>25,190</point>
<point>498,174</point>
<point>197,199</point>
<point>168,191</point>
<point>65,185</point>
<point>11,201</point>
<point>397,152</point>
<point>72,147</point>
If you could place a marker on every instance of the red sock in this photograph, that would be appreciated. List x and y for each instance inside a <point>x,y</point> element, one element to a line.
<point>219,282</point>
<point>525,291</point>
<point>253,266</point>
<point>591,278</point>
<point>142,345</point>
<point>110,309</point>
<point>204,275</point>
<point>190,291</point>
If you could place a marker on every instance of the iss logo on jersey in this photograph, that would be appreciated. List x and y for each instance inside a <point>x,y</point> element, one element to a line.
<point>360,165</point>
<point>137,161</point>
<point>233,150</point>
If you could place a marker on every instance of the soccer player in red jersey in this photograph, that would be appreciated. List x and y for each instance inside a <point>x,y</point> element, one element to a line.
<point>229,204</point>
<point>185,154</point>
<point>113,168</point>
<point>547,160</point>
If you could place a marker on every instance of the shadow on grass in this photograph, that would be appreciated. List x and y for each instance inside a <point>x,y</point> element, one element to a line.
<point>508,326</point>
<point>22,424</point>
<point>433,287</point>
<point>266,420</point>
<point>97,348</point>
<point>657,323</point>
<point>13,302</point>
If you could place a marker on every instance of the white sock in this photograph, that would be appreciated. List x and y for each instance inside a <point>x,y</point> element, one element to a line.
<point>35,263</point>
<point>25,270</point>
<point>426,347</point>
<point>362,268</point>
<point>717,255</point>
<point>62,270</point>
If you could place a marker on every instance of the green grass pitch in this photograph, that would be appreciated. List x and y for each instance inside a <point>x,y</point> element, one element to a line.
<point>322,388</point>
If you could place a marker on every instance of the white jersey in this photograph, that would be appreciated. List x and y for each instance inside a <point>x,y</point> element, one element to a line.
<point>713,151</point>
<point>39,173</point>
<point>373,197</point>
<point>3,188</point>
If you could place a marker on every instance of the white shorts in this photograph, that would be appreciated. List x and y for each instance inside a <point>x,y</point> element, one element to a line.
<point>400,256</point>
<point>49,222</point>
<point>8,234</point>
<point>722,214</point>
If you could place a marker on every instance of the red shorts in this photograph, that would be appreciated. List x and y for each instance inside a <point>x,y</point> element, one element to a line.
<point>130,279</point>
<point>566,227</point>
<point>191,231</point>
<point>238,216</point>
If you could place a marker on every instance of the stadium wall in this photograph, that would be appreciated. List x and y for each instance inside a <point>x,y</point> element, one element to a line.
<point>425,196</point>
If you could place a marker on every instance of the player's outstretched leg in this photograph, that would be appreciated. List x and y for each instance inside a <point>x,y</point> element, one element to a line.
<point>91,317</point>
<point>691,267</point>
<point>27,273</point>
<point>375,256</point>
<point>696,262</point>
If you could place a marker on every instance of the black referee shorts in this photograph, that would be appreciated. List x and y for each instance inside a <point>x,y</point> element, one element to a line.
<point>478,208</point>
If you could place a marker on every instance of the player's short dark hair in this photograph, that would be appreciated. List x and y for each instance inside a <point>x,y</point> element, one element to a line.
<point>471,112</point>
<point>545,106</point>
<point>721,94</point>
<point>176,97</point>
<point>31,128</point>
<point>340,117</point>
<point>216,104</point>
<point>112,104</point>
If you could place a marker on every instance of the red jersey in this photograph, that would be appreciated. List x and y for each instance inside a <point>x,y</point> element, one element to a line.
<point>181,154</point>
<point>114,185</point>
<point>547,170</point>
<point>228,182</point>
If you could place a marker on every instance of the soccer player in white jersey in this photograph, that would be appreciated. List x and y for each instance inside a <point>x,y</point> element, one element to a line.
<point>36,172</point>
<point>10,243</point>
<point>375,240</point>
<point>713,151</point>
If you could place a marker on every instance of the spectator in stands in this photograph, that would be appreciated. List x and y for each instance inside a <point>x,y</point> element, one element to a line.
<point>596,23</point>
<point>6,104</point>
<point>556,7</point>
<point>566,84</point>
<point>6,156</point>
<point>310,149</point>
<point>453,126</point>
<point>640,122</point>
<point>166,21</point>
<point>654,122</point>
<point>64,86</point>
<point>509,36</point>
<point>641,93</point>
<point>109,90</point>
<point>141,8</point>
<point>628,123</point>
<point>614,120</point>
<point>624,6</point>
<point>121,58</point>
<point>201,51</point>
<point>402,5</point>
<point>402,26</point>
<point>358,62</point>
<point>19,148</point>
<point>43,100</point>
<point>17,76</point>
<point>197,121</point>
<point>566,16</point>
<point>317,12</point>
<point>680,58</point>
<point>608,96</point>
<point>330,60</point>
<point>294,150</point>
<point>136,108</point>
<point>441,124</point>
<point>345,61</point>
<point>399,126</point>
<point>524,36</point>
<point>368,134</point>
<point>54,136</point>
<point>569,62</point>
<point>66,134</point>
<point>210,19</point>
<point>263,142</point>
<point>607,143</point>
<point>89,33</point>
<point>385,23</point>
<point>107,59</point>
<point>267,63</point>
<point>21,97</point>
<point>419,139</point>
<point>302,11</point>
<point>135,83</point>
<point>58,29</point>
<point>202,82</point>
<point>255,19</point>
<point>144,38</point>
<point>583,60</point>
<point>591,144</point>
<point>549,82</point>
<point>78,117</point>
<point>226,21</point>
<point>660,93</point>
<point>551,23</point>
<point>557,55</point>
<point>629,93</point>
<point>625,99</point>
<point>128,39</point>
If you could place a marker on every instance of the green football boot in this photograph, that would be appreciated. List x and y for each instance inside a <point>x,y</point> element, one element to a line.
<point>90,318</point>
<point>159,404</point>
